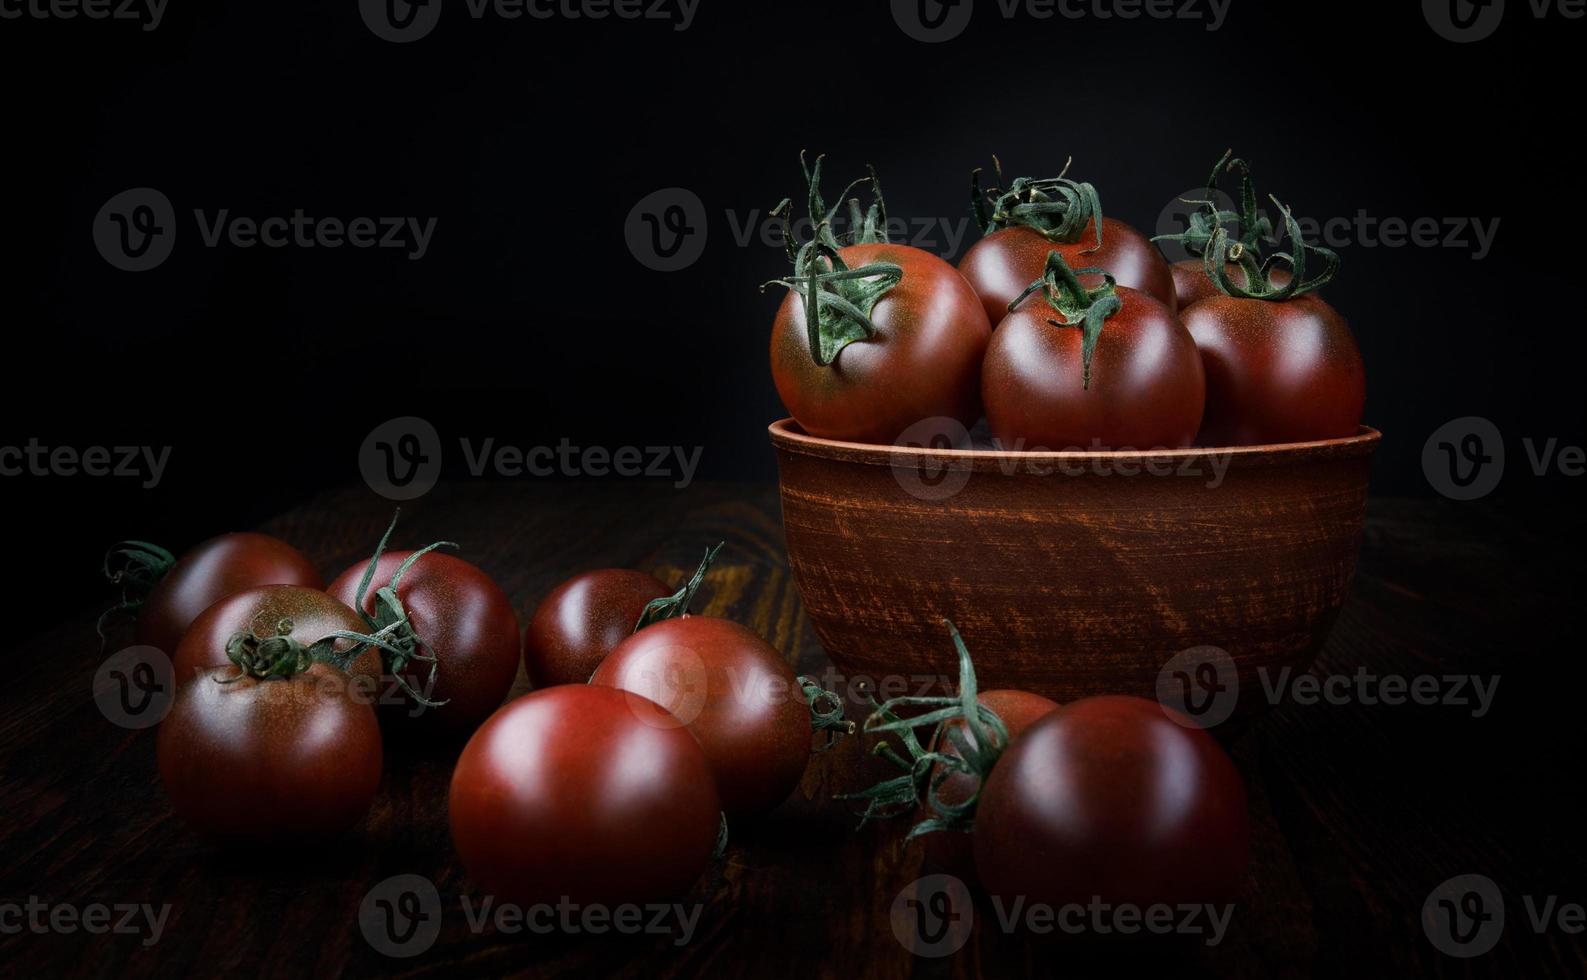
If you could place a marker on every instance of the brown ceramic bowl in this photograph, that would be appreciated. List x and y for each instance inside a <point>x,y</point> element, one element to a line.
<point>1072,574</point>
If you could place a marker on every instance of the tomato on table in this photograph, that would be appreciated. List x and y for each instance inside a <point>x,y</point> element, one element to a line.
<point>733,691</point>
<point>576,792</point>
<point>275,748</point>
<point>167,593</point>
<point>459,622</point>
<point>1109,797</point>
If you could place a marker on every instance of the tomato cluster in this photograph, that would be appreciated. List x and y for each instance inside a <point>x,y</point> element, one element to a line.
<point>658,727</point>
<point>614,781</point>
<point>1066,328</point>
<point>279,679</point>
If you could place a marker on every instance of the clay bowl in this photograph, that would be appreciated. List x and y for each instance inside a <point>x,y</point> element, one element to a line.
<point>1072,574</point>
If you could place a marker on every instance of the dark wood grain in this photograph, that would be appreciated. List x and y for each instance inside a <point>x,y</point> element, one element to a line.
<point>1359,810</point>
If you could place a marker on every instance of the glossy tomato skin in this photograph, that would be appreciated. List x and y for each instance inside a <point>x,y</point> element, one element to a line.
<point>314,615</point>
<point>277,761</point>
<point>1001,265</point>
<point>923,362</point>
<point>575,791</point>
<point>952,850</point>
<point>211,571</point>
<point>1191,284</point>
<point>1110,797</point>
<point>734,692</point>
<point>1277,372</point>
<point>464,619</point>
<point>1147,386</point>
<point>584,619</point>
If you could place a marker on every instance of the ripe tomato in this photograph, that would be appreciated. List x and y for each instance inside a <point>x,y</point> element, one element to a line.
<point>897,339</point>
<point>1281,364</point>
<point>1277,371</point>
<point>1109,797</point>
<point>1001,265</point>
<point>582,620</point>
<point>1141,387</point>
<point>951,850</point>
<point>461,618</point>
<point>733,691</point>
<point>279,761</point>
<point>314,615</point>
<point>577,792</point>
<point>178,590</point>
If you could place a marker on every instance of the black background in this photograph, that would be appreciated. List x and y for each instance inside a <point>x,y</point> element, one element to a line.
<point>530,141</point>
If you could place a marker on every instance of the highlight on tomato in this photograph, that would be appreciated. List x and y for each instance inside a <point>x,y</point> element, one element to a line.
<point>1090,368</point>
<point>1281,364</point>
<point>1112,798</point>
<point>873,338</point>
<point>277,747</point>
<point>166,593</point>
<point>1032,218</point>
<point>448,632</point>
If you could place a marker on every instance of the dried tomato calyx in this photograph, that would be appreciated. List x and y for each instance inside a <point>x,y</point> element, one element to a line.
<point>1057,208</point>
<point>1222,252</point>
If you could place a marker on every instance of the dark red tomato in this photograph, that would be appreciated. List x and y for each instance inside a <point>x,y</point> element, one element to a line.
<point>1001,265</point>
<point>951,850</point>
<point>1146,388</point>
<point>575,791</point>
<point>272,761</point>
<point>1191,284</point>
<point>211,571</point>
<point>314,616</point>
<point>1109,797</point>
<point>922,363</point>
<point>1276,372</point>
<point>733,691</point>
<point>465,621</point>
<point>582,620</point>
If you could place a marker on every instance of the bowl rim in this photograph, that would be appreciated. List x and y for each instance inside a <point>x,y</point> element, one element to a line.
<point>786,436</point>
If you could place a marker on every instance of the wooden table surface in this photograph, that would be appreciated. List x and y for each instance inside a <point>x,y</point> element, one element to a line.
<point>1359,810</point>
